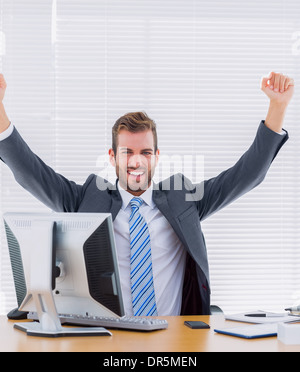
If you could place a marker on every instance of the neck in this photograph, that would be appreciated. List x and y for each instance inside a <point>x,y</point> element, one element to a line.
<point>136,193</point>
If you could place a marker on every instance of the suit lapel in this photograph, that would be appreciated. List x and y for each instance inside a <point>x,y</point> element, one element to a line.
<point>161,201</point>
<point>116,202</point>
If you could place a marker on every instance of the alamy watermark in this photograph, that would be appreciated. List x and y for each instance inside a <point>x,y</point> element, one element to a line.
<point>189,165</point>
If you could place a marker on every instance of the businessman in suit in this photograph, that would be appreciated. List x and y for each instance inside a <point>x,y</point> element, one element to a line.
<point>160,246</point>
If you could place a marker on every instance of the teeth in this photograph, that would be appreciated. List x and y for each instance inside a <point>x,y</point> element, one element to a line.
<point>136,173</point>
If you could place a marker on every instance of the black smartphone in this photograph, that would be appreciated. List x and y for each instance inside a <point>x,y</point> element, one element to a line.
<point>196,325</point>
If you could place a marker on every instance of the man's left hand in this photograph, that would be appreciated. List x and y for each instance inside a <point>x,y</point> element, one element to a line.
<point>278,87</point>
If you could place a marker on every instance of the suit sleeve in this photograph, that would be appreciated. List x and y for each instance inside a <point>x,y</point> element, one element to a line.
<point>51,188</point>
<point>247,173</point>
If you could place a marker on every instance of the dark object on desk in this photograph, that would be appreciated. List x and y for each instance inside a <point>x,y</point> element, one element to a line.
<point>265,315</point>
<point>295,309</point>
<point>15,314</point>
<point>196,325</point>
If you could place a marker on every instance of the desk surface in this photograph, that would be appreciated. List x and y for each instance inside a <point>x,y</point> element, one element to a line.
<point>177,338</point>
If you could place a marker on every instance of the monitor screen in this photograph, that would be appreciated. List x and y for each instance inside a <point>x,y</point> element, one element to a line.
<point>78,249</point>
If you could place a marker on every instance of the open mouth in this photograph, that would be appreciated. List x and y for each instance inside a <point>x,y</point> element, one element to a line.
<point>136,174</point>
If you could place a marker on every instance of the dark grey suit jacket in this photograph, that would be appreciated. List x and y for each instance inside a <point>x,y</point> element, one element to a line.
<point>184,216</point>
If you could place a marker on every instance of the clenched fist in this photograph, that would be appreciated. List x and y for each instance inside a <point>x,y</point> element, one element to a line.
<point>278,87</point>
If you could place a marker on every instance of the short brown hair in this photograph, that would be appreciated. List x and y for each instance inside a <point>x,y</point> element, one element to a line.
<point>134,122</point>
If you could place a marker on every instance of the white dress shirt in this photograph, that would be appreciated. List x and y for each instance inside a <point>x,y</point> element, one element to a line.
<point>7,132</point>
<point>168,255</point>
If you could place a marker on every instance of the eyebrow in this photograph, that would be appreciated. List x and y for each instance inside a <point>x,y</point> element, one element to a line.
<point>127,148</point>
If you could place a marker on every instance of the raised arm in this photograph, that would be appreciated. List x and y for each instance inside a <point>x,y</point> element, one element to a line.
<point>280,89</point>
<point>252,167</point>
<point>51,188</point>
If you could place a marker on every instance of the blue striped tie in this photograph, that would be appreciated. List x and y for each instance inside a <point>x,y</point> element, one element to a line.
<point>142,289</point>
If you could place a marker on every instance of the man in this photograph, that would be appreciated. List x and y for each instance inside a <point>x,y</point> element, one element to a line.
<point>160,247</point>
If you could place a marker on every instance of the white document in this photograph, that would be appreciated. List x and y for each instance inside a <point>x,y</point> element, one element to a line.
<point>270,318</point>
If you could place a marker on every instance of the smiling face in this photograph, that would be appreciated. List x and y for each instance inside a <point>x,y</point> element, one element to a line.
<point>135,160</point>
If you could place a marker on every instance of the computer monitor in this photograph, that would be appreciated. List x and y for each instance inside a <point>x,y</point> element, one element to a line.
<point>64,263</point>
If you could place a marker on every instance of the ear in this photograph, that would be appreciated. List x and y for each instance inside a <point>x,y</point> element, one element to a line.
<point>156,157</point>
<point>112,159</point>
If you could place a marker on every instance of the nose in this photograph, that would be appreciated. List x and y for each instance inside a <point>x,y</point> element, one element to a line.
<point>135,161</point>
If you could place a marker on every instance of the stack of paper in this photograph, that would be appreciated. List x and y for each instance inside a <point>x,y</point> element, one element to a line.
<point>263,317</point>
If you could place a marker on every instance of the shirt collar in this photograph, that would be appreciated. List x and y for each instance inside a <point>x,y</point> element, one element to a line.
<point>146,196</point>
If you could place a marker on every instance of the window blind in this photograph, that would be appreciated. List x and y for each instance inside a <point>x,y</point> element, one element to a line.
<point>74,67</point>
<point>27,67</point>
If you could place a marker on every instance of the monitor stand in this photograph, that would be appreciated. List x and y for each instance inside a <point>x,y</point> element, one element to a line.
<point>39,292</point>
<point>35,329</point>
<point>49,324</point>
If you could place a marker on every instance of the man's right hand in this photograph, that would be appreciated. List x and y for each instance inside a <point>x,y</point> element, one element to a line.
<point>4,121</point>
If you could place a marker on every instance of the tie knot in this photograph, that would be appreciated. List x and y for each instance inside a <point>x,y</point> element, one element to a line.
<point>136,203</point>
